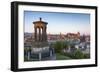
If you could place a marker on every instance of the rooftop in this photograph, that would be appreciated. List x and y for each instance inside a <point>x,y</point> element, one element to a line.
<point>40,21</point>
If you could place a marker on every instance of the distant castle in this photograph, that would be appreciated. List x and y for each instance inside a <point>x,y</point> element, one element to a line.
<point>64,36</point>
<point>73,35</point>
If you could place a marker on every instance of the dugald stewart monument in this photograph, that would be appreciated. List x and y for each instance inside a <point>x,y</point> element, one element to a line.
<point>40,34</point>
<point>38,49</point>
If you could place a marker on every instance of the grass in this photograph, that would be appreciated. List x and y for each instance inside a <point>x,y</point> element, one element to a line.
<point>61,57</point>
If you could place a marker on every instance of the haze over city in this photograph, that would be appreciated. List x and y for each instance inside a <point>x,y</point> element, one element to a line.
<point>58,22</point>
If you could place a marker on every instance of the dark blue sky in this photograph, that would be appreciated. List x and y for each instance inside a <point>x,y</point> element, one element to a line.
<point>59,22</point>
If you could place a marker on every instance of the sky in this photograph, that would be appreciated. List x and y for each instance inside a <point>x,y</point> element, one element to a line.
<point>58,22</point>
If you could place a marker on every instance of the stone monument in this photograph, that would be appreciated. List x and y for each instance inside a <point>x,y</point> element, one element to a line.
<point>40,34</point>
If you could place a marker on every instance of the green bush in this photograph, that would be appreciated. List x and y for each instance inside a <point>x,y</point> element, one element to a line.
<point>86,56</point>
<point>78,54</point>
<point>59,45</point>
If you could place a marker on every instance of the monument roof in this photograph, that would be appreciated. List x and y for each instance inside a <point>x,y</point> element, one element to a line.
<point>40,21</point>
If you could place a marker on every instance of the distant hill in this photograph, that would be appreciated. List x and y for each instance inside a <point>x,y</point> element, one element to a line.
<point>28,34</point>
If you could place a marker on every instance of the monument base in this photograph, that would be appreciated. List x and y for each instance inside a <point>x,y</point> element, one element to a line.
<point>39,44</point>
<point>39,51</point>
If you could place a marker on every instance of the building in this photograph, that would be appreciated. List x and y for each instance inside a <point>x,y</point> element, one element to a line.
<point>73,35</point>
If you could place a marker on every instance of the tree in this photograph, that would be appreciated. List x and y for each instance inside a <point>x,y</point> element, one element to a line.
<point>78,54</point>
<point>72,45</point>
<point>59,45</point>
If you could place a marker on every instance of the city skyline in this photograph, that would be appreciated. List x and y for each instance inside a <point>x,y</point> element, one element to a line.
<point>58,22</point>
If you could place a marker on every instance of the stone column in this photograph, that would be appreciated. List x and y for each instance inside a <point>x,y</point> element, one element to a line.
<point>39,34</point>
<point>35,34</point>
<point>28,55</point>
<point>40,56</point>
<point>50,53</point>
<point>43,34</point>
